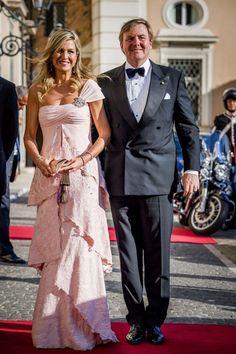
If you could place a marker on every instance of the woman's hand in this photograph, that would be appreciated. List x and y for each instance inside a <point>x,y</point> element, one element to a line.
<point>72,165</point>
<point>44,165</point>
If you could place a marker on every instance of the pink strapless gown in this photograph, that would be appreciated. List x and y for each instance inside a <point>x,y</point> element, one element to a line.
<point>70,241</point>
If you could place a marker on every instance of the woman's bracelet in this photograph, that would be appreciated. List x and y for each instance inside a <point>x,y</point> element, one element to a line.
<point>88,153</point>
<point>38,158</point>
<point>83,155</point>
<point>82,159</point>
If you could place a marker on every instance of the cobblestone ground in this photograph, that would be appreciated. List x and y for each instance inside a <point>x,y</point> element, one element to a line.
<point>203,278</point>
<point>202,288</point>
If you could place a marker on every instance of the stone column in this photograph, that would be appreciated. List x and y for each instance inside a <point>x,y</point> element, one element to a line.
<point>107,19</point>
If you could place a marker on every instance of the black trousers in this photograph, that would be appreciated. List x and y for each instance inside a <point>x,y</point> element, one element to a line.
<point>143,226</point>
<point>5,243</point>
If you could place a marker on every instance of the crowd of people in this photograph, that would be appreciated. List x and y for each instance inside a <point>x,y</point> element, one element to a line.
<point>130,113</point>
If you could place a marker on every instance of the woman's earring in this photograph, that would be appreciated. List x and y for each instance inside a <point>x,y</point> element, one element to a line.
<point>73,70</point>
<point>51,67</point>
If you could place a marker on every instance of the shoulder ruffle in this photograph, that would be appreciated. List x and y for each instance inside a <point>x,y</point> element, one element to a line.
<point>91,91</point>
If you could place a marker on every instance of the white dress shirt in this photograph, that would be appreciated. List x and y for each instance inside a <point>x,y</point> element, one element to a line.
<point>137,89</point>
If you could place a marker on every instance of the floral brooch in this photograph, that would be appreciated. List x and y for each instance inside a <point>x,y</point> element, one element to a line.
<point>79,102</point>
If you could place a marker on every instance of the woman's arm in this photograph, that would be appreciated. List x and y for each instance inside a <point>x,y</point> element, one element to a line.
<point>101,123</point>
<point>32,124</point>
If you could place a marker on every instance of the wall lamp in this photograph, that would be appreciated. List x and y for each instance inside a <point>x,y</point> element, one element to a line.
<point>40,5</point>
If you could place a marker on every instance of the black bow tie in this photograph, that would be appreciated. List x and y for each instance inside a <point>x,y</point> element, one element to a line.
<point>132,72</point>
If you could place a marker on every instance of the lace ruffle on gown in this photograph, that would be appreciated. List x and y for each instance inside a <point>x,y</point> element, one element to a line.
<point>70,240</point>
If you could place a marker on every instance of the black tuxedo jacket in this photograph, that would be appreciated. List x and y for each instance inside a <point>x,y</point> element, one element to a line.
<point>141,157</point>
<point>221,121</point>
<point>8,126</point>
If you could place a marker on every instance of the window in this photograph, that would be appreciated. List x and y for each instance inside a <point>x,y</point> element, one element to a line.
<point>192,69</point>
<point>56,17</point>
<point>185,14</point>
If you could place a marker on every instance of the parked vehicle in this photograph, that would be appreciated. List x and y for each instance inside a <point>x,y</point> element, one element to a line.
<point>179,156</point>
<point>207,210</point>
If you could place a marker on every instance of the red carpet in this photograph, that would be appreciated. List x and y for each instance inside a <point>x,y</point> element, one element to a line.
<point>179,235</point>
<point>15,338</point>
<point>21,232</point>
<point>188,236</point>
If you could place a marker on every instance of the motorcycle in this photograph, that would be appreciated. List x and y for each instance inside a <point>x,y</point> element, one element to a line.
<point>212,206</point>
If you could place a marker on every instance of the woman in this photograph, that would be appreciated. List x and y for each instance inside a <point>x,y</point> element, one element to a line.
<point>70,246</point>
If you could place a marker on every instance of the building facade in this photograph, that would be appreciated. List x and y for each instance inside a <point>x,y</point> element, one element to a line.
<point>195,36</point>
<point>15,33</point>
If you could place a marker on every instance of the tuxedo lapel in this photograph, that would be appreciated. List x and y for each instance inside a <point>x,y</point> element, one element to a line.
<point>120,99</point>
<point>157,91</point>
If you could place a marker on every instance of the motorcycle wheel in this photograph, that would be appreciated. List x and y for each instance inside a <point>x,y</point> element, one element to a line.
<point>206,223</point>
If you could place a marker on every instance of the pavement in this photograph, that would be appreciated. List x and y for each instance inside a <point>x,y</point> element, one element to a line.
<point>203,277</point>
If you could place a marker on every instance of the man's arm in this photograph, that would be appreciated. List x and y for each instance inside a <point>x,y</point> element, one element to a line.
<point>10,121</point>
<point>188,134</point>
<point>186,128</point>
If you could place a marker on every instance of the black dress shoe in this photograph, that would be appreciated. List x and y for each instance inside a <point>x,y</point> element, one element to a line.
<point>136,334</point>
<point>12,258</point>
<point>154,335</point>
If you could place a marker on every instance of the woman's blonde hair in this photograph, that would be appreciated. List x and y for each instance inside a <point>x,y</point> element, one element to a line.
<point>45,69</point>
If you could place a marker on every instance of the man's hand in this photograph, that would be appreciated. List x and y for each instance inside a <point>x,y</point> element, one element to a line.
<point>190,183</point>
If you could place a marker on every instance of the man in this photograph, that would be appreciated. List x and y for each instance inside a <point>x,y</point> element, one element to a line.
<point>22,95</point>
<point>142,106</point>
<point>226,123</point>
<point>227,120</point>
<point>8,135</point>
